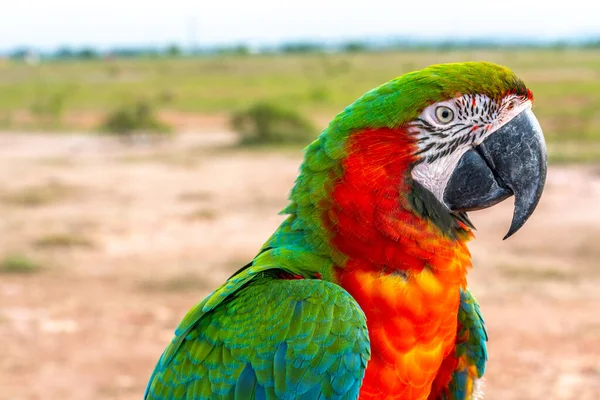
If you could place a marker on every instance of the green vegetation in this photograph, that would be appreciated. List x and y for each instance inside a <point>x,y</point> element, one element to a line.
<point>18,264</point>
<point>200,214</point>
<point>138,117</point>
<point>265,123</point>
<point>63,240</point>
<point>565,82</point>
<point>39,195</point>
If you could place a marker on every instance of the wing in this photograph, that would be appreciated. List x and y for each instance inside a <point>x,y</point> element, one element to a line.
<point>265,338</point>
<point>461,372</point>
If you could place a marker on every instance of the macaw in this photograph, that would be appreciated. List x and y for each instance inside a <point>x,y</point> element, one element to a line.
<point>361,292</point>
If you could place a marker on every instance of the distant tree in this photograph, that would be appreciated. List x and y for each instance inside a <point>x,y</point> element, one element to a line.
<point>354,47</point>
<point>87,53</point>
<point>241,50</point>
<point>19,53</point>
<point>173,50</point>
<point>593,42</point>
<point>64,52</point>
<point>302,47</point>
<point>560,45</point>
<point>125,52</point>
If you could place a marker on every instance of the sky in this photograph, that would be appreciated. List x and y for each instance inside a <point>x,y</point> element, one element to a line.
<point>47,24</point>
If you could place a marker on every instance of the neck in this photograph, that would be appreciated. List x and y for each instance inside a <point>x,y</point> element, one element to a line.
<point>365,208</point>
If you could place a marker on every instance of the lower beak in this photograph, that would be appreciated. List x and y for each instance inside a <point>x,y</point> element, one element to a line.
<point>511,161</point>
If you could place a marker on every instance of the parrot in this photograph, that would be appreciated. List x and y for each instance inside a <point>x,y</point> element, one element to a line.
<point>361,292</point>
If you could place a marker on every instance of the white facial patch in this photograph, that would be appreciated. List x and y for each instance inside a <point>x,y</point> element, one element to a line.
<point>445,131</point>
<point>434,176</point>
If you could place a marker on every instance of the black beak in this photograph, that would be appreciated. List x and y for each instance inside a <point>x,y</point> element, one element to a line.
<point>510,161</point>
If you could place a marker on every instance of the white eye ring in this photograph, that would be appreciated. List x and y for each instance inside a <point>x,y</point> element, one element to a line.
<point>444,114</point>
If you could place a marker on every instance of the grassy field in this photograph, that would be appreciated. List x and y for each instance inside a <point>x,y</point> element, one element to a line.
<point>74,95</point>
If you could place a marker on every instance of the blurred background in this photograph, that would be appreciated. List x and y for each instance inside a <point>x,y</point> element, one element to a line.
<point>146,150</point>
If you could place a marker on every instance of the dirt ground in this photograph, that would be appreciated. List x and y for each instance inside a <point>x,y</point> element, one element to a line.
<point>128,236</point>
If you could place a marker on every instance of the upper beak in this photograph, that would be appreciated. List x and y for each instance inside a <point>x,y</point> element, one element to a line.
<point>511,161</point>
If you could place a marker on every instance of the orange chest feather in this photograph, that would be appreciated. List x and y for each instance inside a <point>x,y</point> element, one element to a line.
<point>412,325</point>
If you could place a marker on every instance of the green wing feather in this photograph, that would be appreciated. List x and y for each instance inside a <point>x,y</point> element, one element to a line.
<point>259,337</point>
<point>472,347</point>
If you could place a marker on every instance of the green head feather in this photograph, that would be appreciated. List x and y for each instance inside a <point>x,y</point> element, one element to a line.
<point>402,99</point>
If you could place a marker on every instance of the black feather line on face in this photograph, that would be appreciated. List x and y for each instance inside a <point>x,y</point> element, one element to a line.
<point>425,123</point>
<point>425,149</point>
<point>461,129</point>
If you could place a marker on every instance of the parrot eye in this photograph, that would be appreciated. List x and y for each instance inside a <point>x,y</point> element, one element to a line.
<point>512,104</point>
<point>444,114</point>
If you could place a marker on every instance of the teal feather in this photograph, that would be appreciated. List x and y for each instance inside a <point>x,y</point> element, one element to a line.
<point>471,327</point>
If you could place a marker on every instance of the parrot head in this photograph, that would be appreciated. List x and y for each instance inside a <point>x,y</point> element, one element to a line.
<point>469,131</point>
